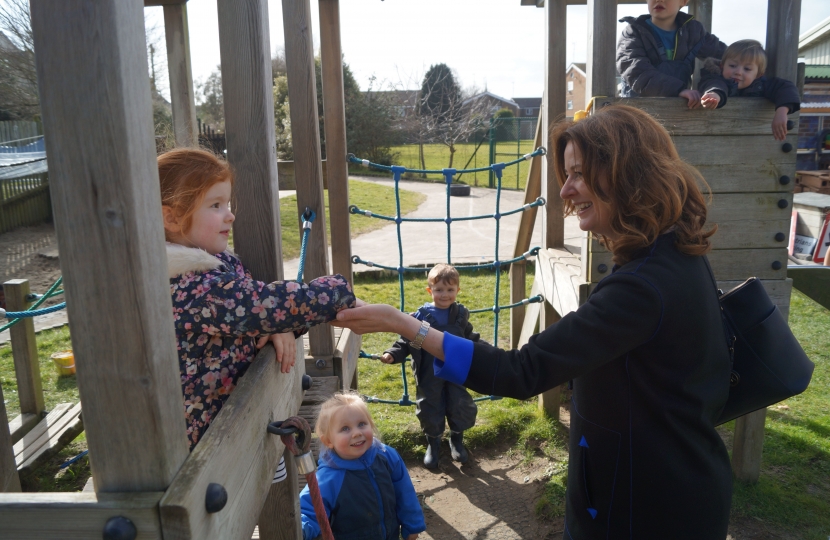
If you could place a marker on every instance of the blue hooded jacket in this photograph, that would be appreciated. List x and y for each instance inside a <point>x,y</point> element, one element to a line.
<point>370,498</point>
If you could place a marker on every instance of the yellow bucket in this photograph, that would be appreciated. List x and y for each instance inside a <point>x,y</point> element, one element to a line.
<point>65,361</point>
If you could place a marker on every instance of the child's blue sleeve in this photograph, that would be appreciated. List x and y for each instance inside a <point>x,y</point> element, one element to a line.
<point>329,489</point>
<point>460,350</point>
<point>407,508</point>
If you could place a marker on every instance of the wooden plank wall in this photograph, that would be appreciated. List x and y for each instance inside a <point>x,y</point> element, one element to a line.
<point>92,79</point>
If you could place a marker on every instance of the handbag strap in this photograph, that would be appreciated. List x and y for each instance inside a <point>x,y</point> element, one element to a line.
<point>728,331</point>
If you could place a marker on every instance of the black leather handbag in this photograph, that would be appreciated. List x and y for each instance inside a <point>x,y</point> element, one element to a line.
<point>768,363</point>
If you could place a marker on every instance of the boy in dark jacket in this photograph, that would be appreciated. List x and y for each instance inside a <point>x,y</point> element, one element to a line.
<point>437,398</point>
<point>741,74</point>
<point>656,52</point>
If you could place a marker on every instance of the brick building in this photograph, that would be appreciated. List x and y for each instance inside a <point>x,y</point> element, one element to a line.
<point>575,92</point>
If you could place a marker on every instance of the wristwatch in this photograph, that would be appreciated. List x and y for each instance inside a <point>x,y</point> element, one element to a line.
<point>420,336</point>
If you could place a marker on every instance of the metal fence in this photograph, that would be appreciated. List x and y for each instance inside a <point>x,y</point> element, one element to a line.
<point>24,178</point>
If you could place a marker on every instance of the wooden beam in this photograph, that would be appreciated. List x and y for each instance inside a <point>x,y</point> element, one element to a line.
<point>182,98</point>
<point>602,48</point>
<point>559,271</point>
<point>549,400</point>
<point>518,271</point>
<point>24,350</point>
<point>92,79</point>
<point>279,518</point>
<point>9,479</point>
<point>305,136</point>
<point>748,446</point>
<point>783,20</point>
<point>334,115</point>
<point>701,10</point>
<point>22,424</point>
<point>57,516</point>
<point>236,452</point>
<point>345,358</point>
<point>531,321</point>
<point>553,232</point>
<point>249,130</point>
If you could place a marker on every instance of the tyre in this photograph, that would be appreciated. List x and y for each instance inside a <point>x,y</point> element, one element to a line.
<point>459,190</point>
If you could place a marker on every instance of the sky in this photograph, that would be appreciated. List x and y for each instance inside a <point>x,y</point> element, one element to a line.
<point>493,44</point>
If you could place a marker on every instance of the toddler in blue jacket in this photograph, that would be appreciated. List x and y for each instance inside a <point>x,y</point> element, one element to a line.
<point>364,484</point>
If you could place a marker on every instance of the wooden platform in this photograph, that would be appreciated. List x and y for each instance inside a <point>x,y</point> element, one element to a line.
<point>47,438</point>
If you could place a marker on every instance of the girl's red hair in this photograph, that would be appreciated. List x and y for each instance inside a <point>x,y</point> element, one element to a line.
<point>185,175</point>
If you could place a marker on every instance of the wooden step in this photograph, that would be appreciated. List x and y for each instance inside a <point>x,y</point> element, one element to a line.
<point>48,437</point>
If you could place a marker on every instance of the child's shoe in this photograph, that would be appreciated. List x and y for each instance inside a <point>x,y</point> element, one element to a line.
<point>433,452</point>
<point>459,453</point>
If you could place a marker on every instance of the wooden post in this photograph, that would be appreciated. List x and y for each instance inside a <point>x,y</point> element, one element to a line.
<point>9,479</point>
<point>249,131</point>
<point>283,506</point>
<point>518,270</point>
<point>554,111</point>
<point>783,19</point>
<point>602,47</point>
<point>24,350</point>
<point>92,79</point>
<point>181,78</point>
<point>748,445</point>
<point>549,400</point>
<point>247,84</point>
<point>334,114</point>
<point>305,135</point>
<point>701,10</point>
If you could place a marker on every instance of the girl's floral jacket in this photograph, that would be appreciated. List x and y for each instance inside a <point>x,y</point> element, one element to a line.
<point>219,310</point>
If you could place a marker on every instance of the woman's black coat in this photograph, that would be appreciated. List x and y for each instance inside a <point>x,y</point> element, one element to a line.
<point>650,367</point>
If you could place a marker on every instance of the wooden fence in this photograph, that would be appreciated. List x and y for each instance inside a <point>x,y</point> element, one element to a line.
<point>24,201</point>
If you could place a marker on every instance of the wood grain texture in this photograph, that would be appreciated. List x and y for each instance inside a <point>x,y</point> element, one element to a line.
<point>748,446</point>
<point>334,115</point>
<point>247,86</point>
<point>9,479</point>
<point>561,278</point>
<point>533,190</point>
<point>518,284</point>
<point>305,136</point>
<point>92,77</point>
<point>783,21</point>
<point>236,452</point>
<point>739,118</point>
<point>602,48</point>
<point>182,98</point>
<point>701,10</point>
<point>24,349</point>
<point>59,516</point>
<point>727,264</point>
<point>280,518</point>
<point>531,321</point>
<point>21,425</point>
<point>68,428</point>
<point>346,354</point>
<point>553,110</point>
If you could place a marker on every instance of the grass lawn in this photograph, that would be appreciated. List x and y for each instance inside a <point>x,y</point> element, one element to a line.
<point>437,156</point>
<point>792,496</point>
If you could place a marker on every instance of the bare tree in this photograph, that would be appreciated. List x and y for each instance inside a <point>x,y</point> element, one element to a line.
<point>18,76</point>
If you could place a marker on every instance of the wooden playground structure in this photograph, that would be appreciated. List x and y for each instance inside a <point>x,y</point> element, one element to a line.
<point>96,107</point>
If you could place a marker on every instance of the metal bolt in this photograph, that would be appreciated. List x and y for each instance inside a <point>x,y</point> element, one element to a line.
<point>216,497</point>
<point>320,363</point>
<point>776,265</point>
<point>786,147</point>
<point>782,203</point>
<point>119,528</point>
<point>307,381</point>
<point>784,180</point>
<point>780,237</point>
<point>790,124</point>
<point>602,268</point>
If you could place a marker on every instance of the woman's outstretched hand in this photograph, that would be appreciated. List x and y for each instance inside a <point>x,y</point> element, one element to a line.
<point>368,318</point>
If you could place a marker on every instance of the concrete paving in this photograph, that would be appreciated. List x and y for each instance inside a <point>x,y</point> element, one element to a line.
<point>472,242</point>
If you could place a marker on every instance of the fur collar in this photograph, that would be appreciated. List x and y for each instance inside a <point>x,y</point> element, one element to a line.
<point>181,260</point>
<point>712,64</point>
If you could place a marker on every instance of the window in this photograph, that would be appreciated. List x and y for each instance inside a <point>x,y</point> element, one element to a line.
<point>528,112</point>
<point>570,105</point>
<point>570,86</point>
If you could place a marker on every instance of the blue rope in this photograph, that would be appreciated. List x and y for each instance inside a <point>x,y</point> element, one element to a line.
<point>49,293</point>
<point>31,313</point>
<point>366,163</point>
<point>74,459</point>
<point>540,201</point>
<point>397,171</point>
<point>308,218</point>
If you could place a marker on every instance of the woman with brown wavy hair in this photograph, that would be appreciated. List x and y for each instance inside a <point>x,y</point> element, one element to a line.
<point>646,352</point>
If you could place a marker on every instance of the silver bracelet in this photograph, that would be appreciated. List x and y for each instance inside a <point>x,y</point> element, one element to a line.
<point>420,336</point>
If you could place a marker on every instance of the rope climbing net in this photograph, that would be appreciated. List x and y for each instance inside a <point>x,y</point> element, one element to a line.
<point>33,311</point>
<point>497,264</point>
